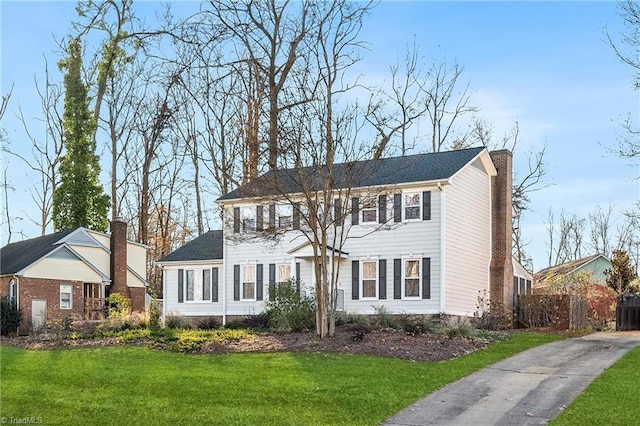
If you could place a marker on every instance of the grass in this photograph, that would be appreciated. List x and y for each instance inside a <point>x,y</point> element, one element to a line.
<point>612,399</point>
<point>114,385</point>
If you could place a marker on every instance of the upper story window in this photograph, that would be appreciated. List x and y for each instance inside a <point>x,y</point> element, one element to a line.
<point>411,206</point>
<point>369,210</point>
<point>248,218</point>
<point>284,216</point>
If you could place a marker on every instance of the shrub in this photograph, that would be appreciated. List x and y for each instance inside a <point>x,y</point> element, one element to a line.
<point>255,322</point>
<point>209,323</point>
<point>10,316</point>
<point>288,311</point>
<point>154,314</point>
<point>416,325</point>
<point>384,319</point>
<point>118,306</point>
<point>177,321</point>
<point>343,318</point>
<point>455,328</point>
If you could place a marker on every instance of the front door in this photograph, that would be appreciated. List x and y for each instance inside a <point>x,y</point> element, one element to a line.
<point>38,313</point>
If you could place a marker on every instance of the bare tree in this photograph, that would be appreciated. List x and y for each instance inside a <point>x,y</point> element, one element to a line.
<point>600,230</point>
<point>569,236</point>
<point>46,149</point>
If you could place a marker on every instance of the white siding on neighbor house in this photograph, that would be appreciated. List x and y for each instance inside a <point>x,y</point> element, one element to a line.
<point>467,239</point>
<point>63,269</point>
<point>413,239</point>
<point>171,306</point>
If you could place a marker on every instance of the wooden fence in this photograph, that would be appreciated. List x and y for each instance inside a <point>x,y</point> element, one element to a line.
<point>628,313</point>
<point>557,311</point>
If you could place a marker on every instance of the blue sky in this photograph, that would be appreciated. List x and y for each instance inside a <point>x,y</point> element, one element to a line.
<point>546,65</point>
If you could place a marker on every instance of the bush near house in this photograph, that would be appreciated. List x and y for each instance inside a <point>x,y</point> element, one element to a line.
<point>10,316</point>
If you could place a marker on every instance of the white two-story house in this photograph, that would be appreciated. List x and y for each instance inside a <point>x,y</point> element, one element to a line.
<point>423,234</point>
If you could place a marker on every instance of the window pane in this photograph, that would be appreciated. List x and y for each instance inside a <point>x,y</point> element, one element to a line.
<point>369,270</point>
<point>206,284</point>
<point>369,288</point>
<point>247,290</point>
<point>412,199</point>
<point>284,273</point>
<point>190,276</point>
<point>412,288</point>
<point>412,213</point>
<point>284,222</point>
<point>65,297</point>
<point>369,216</point>
<point>412,269</point>
<point>248,281</point>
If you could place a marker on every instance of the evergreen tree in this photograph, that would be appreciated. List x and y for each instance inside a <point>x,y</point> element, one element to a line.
<point>621,273</point>
<point>79,199</point>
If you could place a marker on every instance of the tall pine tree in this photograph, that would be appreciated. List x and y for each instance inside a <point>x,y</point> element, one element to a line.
<point>79,199</point>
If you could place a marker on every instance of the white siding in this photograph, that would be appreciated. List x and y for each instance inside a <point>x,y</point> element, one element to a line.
<point>419,239</point>
<point>190,308</point>
<point>467,239</point>
<point>97,256</point>
<point>137,258</point>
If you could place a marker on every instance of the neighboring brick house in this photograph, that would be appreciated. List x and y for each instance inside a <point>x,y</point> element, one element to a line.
<point>68,274</point>
<point>426,234</point>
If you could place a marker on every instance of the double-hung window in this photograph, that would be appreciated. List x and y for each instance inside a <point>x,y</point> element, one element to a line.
<point>248,282</point>
<point>411,278</point>
<point>284,216</point>
<point>248,218</point>
<point>66,301</point>
<point>369,279</point>
<point>369,210</point>
<point>412,206</point>
<point>206,284</point>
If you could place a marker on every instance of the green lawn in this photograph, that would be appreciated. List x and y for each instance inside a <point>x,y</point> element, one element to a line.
<point>138,385</point>
<point>612,399</point>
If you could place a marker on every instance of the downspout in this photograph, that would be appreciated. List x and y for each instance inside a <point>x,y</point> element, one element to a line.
<point>442,247</point>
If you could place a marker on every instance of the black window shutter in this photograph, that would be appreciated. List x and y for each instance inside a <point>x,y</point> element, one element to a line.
<point>272,216</point>
<point>236,220</point>
<point>382,279</point>
<point>214,284</point>
<point>397,278</point>
<point>426,278</point>
<point>337,211</point>
<point>354,210</point>
<point>180,286</point>
<point>426,205</point>
<point>296,215</point>
<point>272,280</point>
<point>397,207</point>
<point>382,209</point>
<point>355,280</point>
<point>298,277</point>
<point>259,281</point>
<point>259,218</point>
<point>236,282</point>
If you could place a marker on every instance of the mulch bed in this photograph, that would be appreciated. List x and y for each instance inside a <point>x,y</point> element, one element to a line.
<point>386,342</point>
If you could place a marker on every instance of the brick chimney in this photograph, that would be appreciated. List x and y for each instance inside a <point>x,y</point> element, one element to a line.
<point>119,257</point>
<point>501,269</point>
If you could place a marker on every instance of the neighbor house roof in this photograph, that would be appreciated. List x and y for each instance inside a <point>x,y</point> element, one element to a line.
<point>386,171</point>
<point>563,269</point>
<point>15,257</point>
<point>207,246</point>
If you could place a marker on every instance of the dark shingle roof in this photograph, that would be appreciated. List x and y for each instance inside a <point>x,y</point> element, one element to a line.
<point>207,246</point>
<point>16,256</point>
<point>386,171</point>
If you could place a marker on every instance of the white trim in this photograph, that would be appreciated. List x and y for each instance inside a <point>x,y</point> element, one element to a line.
<point>255,281</point>
<point>60,292</point>
<point>104,277</point>
<point>487,162</point>
<point>375,260</point>
<point>403,283</point>
<point>443,253</point>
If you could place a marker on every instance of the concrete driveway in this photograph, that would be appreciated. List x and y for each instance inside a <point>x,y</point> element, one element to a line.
<point>530,388</point>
